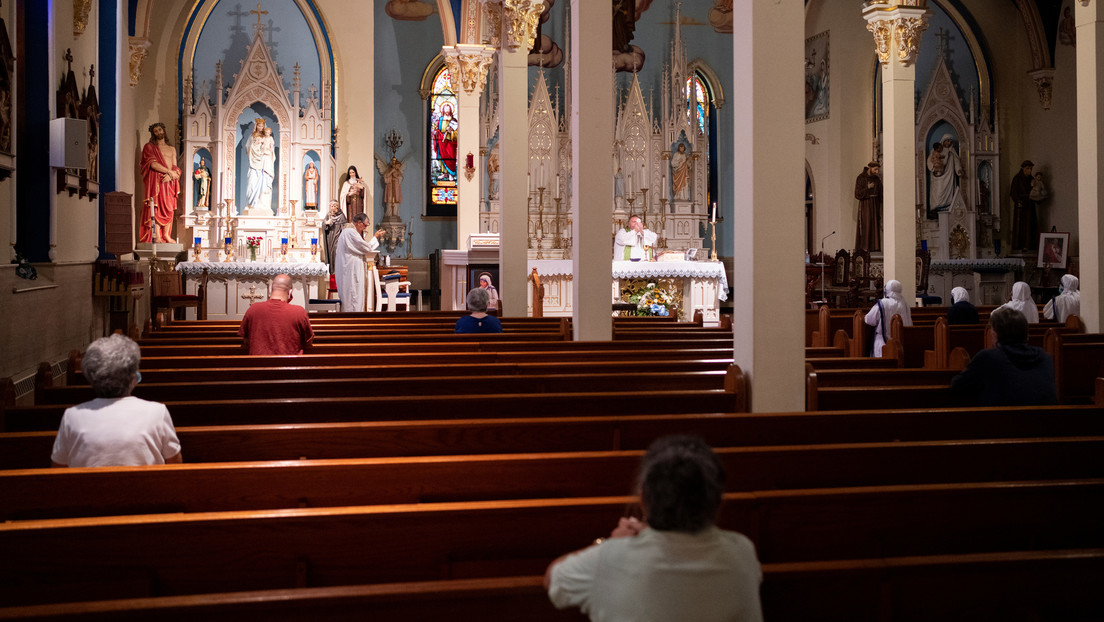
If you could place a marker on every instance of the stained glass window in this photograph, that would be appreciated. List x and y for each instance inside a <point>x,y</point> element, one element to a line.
<point>443,134</point>
<point>697,102</point>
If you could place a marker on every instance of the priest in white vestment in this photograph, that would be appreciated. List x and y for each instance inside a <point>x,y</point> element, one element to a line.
<point>634,244</point>
<point>349,262</point>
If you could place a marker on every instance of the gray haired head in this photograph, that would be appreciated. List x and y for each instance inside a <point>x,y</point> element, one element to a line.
<point>478,299</point>
<point>111,365</point>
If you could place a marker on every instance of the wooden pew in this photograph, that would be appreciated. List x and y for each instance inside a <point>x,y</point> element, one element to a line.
<point>1078,362</point>
<point>67,493</point>
<point>1006,586</point>
<point>504,342</point>
<point>228,443</point>
<point>293,372</point>
<point>421,382</point>
<point>629,400</point>
<point>160,555</point>
<point>954,346</point>
<point>850,362</point>
<point>831,389</point>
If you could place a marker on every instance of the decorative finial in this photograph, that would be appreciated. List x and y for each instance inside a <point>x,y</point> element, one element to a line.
<point>259,27</point>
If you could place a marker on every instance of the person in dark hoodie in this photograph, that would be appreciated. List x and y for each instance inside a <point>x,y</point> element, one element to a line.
<point>1011,374</point>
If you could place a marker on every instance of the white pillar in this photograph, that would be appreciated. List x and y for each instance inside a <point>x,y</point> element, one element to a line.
<point>1090,157</point>
<point>468,66</point>
<point>592,109</point>
<point>519,22</point>
<point>767,223</point>
<point>897,31</point>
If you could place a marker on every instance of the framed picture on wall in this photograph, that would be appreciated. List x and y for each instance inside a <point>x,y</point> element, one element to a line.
<point>817,71</point>
<point>1053,249</point>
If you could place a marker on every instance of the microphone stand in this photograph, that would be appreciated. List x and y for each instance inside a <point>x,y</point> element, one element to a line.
<point>823,299</point>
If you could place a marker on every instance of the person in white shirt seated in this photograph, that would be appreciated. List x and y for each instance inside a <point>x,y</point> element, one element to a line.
<point>676,564</point>
<point>1067,302</point>
<point>635,243</point>
<point>116,428</point>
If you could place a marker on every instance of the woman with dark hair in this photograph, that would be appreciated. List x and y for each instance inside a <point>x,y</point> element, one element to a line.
<point>352,194</point>
<point>116,428</point>
<point>676,564</point>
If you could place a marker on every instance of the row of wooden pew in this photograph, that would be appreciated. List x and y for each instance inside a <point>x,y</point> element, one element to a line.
<point>302,507</point>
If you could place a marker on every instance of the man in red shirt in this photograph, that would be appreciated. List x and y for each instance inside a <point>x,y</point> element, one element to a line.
<point>275,326</point>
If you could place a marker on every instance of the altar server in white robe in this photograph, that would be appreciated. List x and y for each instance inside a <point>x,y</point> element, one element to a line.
<point>635,243</point>
<point>881,314</point>
<point>349,262</point>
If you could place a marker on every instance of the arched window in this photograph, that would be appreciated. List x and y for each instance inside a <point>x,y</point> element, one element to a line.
<point>443,134</point>
<point>697,101</point>
<point>701,101</point>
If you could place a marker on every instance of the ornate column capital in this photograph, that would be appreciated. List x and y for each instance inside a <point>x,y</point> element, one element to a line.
<point>519,23</point>
<point>139,47</point>
<point>896,26</point>
<point>1044,82</point>
<point>468,65</point>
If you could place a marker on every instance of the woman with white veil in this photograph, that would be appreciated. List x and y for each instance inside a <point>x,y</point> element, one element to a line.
<point>881,314</point>
<point>1022,302</point>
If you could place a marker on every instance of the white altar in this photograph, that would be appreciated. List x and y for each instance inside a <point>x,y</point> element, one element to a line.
<point>704,284</point>
<point>233,286</point>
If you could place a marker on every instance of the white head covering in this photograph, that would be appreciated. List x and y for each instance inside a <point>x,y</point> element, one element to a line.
<point>1067,303</point>
<point>1022,302</point>
<point>959,294</point>
<point>893,292</point>
<point>1071,285</point>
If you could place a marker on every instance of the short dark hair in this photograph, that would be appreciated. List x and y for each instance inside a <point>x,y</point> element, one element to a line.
<point>360,217</point>
<point>1010,326</point>
<point>681,482</point>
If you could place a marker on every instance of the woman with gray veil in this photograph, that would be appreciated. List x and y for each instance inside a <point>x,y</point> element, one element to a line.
<point>881,314</point>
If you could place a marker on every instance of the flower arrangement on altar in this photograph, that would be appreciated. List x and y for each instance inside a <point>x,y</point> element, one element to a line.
<point>653,300</point>
<point>253,242</point>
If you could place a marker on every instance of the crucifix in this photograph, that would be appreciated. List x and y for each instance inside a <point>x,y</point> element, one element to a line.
<point>259,13</point>
<point>69,58</point>
<point>252,296</point>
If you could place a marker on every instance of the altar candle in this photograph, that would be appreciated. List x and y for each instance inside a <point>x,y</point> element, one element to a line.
<point>714,212</point>
<point>557,185</point>
<point>314,241</point>
<point>471,160</point>
<point>198,240</point>
<point>540,180</point>
<point>283,240</point>
<point>630,188</point>
<point>529,182</point>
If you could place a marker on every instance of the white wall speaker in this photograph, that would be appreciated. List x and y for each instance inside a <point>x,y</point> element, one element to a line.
<point>69,143</point>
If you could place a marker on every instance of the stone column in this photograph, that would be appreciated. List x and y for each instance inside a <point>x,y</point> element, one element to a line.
<point>897,28</point>
<point>519,25</point>
<point>1089,16</point>
<point>768,276</point>
<point>592,108</point>
<point>468,65</point>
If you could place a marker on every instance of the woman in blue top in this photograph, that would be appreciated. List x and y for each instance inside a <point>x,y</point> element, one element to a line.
<point>478,321</point>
